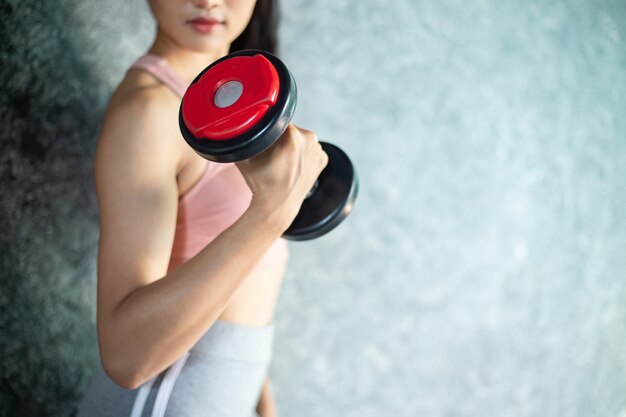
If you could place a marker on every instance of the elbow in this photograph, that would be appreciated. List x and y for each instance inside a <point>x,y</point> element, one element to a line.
<point>121,373</point>
<point>118,364</point>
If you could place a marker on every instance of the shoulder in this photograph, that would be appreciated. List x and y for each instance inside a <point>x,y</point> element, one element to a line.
<point>141,103</point>
<point>141,121</point>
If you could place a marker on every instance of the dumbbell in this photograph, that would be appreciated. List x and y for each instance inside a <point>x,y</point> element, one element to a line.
<point>239,106</point>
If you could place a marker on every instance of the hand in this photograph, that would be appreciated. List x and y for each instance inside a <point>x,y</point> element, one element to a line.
<point>281,177</point>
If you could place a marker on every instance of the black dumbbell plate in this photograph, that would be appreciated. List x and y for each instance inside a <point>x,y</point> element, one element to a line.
<point>331,201</point>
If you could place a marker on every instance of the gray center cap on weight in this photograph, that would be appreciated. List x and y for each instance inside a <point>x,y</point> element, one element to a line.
<point>228,94</point>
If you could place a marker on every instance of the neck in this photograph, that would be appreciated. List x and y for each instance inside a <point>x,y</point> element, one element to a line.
<point>186,62</point>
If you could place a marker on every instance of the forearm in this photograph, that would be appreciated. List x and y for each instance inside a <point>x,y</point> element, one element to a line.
<point>266,406</point>
<point>155,324</point>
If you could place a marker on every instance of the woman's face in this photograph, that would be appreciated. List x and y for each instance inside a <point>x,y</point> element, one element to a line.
<point>202,25</point>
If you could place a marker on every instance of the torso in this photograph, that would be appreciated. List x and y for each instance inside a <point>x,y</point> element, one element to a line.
<point>254,301</point>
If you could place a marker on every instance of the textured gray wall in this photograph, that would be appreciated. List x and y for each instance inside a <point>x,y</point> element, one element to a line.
<point>59,62</point>
<point>483,271</point>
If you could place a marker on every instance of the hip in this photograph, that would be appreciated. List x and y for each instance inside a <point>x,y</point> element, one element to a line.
<point>222,375</point>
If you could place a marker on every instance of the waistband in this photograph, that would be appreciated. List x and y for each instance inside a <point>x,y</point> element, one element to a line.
<point>237,341</point>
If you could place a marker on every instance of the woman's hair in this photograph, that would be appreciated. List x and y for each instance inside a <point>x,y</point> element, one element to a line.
<point>262,30</point>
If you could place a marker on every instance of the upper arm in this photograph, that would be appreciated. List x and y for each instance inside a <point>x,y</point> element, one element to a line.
<point>135,170</point>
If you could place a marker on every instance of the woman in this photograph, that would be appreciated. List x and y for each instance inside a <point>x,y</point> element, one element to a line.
<point>190,258</point>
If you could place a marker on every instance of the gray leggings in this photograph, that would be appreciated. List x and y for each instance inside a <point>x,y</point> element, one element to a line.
<point>221,376</point>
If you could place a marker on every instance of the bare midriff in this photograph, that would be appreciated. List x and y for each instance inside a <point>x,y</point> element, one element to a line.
<point>254,301</point>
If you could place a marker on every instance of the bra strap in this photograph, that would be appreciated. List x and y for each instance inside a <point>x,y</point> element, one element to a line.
<point>161,70</point>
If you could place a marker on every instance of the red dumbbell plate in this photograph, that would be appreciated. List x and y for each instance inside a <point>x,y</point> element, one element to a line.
<point>260,82</point>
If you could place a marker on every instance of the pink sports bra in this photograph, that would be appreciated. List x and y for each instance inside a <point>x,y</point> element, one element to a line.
<point>215,201</point>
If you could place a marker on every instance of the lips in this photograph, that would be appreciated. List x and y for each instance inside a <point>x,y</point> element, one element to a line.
<point>205,25</point>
